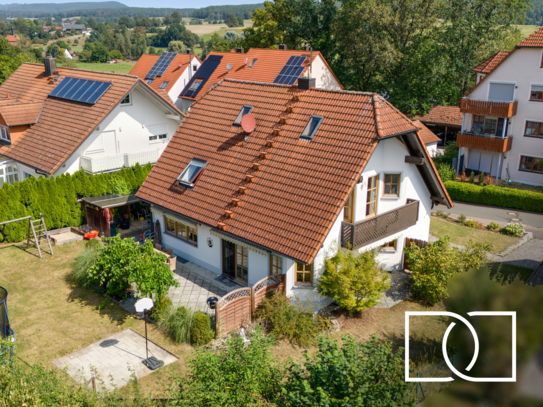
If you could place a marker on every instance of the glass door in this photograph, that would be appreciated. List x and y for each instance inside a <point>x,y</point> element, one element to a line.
<point>229,258</point>
<point>242,263</point>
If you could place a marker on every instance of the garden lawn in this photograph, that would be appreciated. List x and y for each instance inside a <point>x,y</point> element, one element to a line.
<point>121,67</point>
<point>462,234</point>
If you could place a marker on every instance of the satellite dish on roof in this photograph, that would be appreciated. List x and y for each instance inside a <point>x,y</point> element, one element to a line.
<point>233,51</point>
<point>229,66</point>
<point>248,123</point>
<point>246,61</point>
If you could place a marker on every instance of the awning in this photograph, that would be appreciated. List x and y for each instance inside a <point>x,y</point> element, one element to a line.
<point>111,201</point>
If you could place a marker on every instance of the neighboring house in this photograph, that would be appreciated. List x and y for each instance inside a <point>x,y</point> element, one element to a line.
<point>261,65</point>
<point>67,54</point>
<point>429,139</point>
<point>12,39</point>
<point>76,27</point>
<point>443,121</point>
<point>179,71</point>
<point>322,168</point>
<point>73,54</point>
<point>502,131</point>
<point>58,120</point>
<point>46,28</point>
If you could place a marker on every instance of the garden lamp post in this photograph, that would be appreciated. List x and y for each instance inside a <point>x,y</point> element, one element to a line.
<point>144,305</point>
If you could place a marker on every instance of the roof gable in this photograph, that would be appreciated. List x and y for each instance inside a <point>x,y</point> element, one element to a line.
<point>489,64</point>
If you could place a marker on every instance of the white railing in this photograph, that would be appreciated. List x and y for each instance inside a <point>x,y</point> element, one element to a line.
<point>116,162</point>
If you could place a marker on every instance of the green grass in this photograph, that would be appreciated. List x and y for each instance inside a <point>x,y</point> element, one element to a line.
<point>221,32</point>
<point>461,234</point>
<point>526,30</point>
<point>121,67</point>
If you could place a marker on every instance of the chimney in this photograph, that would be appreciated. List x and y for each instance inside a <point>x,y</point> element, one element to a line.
<point>12,30</point>
<point>239,50</point>
<point>306,83</point>
<point>50,66</point>
<point>306,47</point>
<point>283,47</point>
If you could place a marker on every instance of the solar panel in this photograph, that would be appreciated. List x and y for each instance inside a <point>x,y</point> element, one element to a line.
<point>161,65</point>
<point>203,74</point>
<point>291,71</point>
<point>80,90</point>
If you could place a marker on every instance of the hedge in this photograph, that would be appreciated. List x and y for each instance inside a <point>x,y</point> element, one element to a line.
<point>56,198</point>
<point>496,196</point>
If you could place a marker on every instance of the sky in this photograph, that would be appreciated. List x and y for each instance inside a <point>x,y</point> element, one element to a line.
<point>160,3</point>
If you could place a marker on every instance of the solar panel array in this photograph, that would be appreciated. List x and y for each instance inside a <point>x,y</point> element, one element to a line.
<point>161,65</point>
<point>80,90</point>
<point>204,73</point>
<point>291,71</point>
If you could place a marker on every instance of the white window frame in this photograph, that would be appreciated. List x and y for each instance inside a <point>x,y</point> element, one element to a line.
<point>129,97</point>
<point>502,83</point>
<point>14,173</point>
<point>4,133</point>
<point>158,138</point>
<point>530,91</point>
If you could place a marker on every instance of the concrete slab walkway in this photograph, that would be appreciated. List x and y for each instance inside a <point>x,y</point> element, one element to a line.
<point>113,361</point>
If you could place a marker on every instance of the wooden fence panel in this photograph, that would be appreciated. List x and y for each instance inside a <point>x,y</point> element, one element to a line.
<point>407,243</point>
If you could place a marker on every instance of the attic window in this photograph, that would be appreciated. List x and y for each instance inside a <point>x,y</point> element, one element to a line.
<point>244,110</point>
<point>195,85</point>
<point>252,63</point>
<point>163,85</point>
<point>190,174</point>
<point>149,81</point>
<point>311,128</point>
<point>126,100</point>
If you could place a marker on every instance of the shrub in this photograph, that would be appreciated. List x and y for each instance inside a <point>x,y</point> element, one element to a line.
<point>433,265</point>
<point>513,229</point>
<point>442,214</point>
<point>160,306</point>
<point>354,280</point>
<point>292,322</point>
<point>492,226</point>
<point>446,173</point>
<point>84,262</point>
<point>472,177</point>
<point>472,224</point>
<point>355,374</point>
<point>481,179</point>
<point>497,196</point>
<point>177,323</point>
<point>201,332</point>
<point>462,219</point>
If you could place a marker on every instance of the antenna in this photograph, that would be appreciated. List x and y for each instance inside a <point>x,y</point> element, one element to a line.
<point>229,67</point>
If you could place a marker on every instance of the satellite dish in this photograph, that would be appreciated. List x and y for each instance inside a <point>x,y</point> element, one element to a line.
<point>246,61</point>
<point>145,304</point>
<point>228,66</point>
<point>248,123</point>
<point>233,51</point>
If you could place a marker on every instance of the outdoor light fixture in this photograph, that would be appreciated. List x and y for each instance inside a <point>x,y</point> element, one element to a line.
<point>144,305</point>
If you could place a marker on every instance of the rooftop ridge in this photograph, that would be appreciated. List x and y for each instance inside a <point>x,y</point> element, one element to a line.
<point>87,70</point>
<point>377,116</point>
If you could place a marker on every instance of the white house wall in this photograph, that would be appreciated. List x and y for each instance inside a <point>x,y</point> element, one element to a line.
<point>323,75</point>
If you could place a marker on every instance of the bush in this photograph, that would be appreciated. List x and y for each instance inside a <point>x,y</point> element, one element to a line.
<point>293,322</point>
<point>84,262</point>
<point>497,196</point>
<point>442,214</point>
<point>472,224</point>
<point>492,226</point>
<point>445,171</point>
<point>177,323</point>
<point>69,63</point>
<point>472,177</point>
<point>354,280</point>
<point>160,306</point>
<point>115,54</point>
<point>462,219</point>
<point>481,179</point>
<point>201,332</point>
<point>513,229</point>
<point>433,265</point>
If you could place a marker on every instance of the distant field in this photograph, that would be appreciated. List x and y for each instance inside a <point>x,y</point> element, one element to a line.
<point>526,30</point>
<point>121,67</point>
<point>206,28</point>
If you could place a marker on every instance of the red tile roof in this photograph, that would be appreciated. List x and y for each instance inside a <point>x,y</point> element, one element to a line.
<point>534,40</point>
<point>21,113</point>
<point>171,75</point>
<point>426,135</point>
<point>62,124</point>
<point>268,65</point>
<point>488,65</point>
<point>445,115</point>
<point>12,39</point>
<point>494,68</point>
<point>300,187</point>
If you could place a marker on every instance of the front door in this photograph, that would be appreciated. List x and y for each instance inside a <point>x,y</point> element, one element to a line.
<point>235,260</point>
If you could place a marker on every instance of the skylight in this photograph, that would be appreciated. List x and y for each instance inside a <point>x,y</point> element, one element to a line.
<point>163,85</point>
<point>311,128</point>
<point>195,85</point>
<point>252,63</point>
<point>244,110</point>
<point>190,174</point>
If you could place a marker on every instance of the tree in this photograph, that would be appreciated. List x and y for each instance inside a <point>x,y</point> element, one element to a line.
<point>433,265</point>
<point>115,54</point>
<point>177,46</point>
<point>99,53</point>
<point>231,20</point>
<point>354,280</point>
<point>176,17</point>
<point>11,57</point>
<point>355,374</point>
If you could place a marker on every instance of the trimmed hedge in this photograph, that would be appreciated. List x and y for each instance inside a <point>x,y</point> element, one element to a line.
<point>56,198</point>
<point>496,196</point>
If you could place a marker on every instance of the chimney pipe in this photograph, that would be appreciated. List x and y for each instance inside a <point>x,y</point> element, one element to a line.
<point>189,51</point>
<point>12,30</point>
<point>283,47</point>
<point>239,50</point>
<point>50,66</point>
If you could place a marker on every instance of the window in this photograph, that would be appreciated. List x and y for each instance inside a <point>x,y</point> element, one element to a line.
<point>27,175</point>
<point>149,81</point>
<point>487,126</point>
<point>126,100</point>
<point>181,230</point>
<point>348,208</point>
<point>501,92</point>
<point>190,174</point>
<point>276,265</point>
<point>2,179</point>
<point>195,85</point>
<point>194,68</point>
<point>242,262</point>
<point>12,174</point>
<point>389,246</point>
<point>252,63</point>
<point>371,196</point>
<point>4,134</point>
<point>531,164</point>
<point>244,110</point>
<point>163,85</point>
<point>158,137</point>
<point>311,128</point>
<point>536,93</point>
<point>533,129</point>
<point>304,273</point>
<point>392,184</point>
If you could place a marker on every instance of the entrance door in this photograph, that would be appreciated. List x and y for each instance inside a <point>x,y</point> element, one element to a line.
<point>229,258</point>
<point>235,260</point>
<point>110,143</point>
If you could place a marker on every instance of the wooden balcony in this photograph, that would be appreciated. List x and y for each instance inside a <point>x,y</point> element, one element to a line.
<point>489,108</point>
<point>367,231</point>
<point>486,143</point>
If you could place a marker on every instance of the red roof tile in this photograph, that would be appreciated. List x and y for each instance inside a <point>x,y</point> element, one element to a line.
<point>171,75</point>
<point>534,40</point>
<point>300,187</point>
<point>21,113</point>
<point>426,135</point>
<point>488,65</point>
<point>445,115</point>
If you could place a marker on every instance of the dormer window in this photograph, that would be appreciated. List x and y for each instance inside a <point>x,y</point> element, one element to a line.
<point>311,128</point>
<point>4,134</point>
<point>191,173</point>
<point>244,110</point>
<point>195,85</point>
<point>252,63</point>
<point>163,85</point>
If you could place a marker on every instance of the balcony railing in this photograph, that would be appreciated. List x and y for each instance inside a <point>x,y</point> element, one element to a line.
<point>489,107</point>
<point>116,162</point>
<point>482,141</point>
<point>371,230</point>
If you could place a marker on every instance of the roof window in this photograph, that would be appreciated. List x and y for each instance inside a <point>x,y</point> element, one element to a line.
<point>163,85</point>
<point>252,63</point>
<point>311,128</point>
<point>149,81</point>
<point>195,85</point>
<point>191,172</point>
<point>244,110</point>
